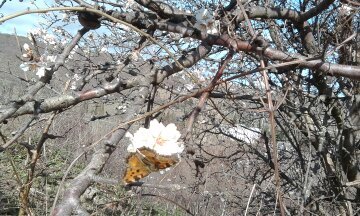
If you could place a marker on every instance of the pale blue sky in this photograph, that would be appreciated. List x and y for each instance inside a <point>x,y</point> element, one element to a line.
<point>23,23</point>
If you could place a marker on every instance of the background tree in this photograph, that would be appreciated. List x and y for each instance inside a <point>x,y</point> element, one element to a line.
<point>265,94</point>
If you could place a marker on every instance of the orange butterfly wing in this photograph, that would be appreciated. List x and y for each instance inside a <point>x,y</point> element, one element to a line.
<point>145,161</point>
<point>155,161</point>
<point>136,169</point>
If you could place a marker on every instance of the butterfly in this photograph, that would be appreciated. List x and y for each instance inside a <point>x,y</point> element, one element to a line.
<point>145,161</point>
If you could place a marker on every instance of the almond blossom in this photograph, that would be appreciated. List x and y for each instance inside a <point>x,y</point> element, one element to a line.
<point>36,64</point>
<point>28,51</point>
<point>162,139</point>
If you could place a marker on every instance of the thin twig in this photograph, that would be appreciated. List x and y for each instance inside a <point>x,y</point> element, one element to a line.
<point>172,201</point>
<point>248,203</point>
<point>18,134</point>
<point>271,111</point>
<point>205,94</point>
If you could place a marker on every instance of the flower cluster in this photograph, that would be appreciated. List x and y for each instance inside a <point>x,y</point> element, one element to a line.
<point>43,36</point>
<point>163,140</point>
<point>206,22</point>
<point>35,63</point>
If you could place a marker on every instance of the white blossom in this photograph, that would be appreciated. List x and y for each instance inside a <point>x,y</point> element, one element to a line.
<point>51,58</point>
<point>162,172</point>
<point>39,65</point>
<point>50,39</point>
<point>25,55</point>
<point>65,17</point>
<point>73,85</point>
<point>346,9</point>
<point>40,72</point>
<point>141,138</point>
<point>122,108</point>
<point>28,50</point>
<point>205,21</point>
<point>26,47</point>
<point>77,77</point>
<point>161,139</point>
<point>37,31</point>
<point>59,31</point>
<point>29,66</point>
<point>25,67</point>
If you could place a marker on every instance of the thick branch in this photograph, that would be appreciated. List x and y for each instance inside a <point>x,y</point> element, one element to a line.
<point>85,179</point>
<point>316,10</point>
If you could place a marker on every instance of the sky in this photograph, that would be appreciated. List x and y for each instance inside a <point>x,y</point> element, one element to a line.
<point>24,23</point>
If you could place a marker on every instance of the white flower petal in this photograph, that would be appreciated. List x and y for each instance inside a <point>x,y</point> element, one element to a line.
<point>25,67</point>
<point>155,128</point>
<point>131,148</point>
<point>40,72</point>
<point>161,139</point>
<point>26,47</point>
<point>51,58</point>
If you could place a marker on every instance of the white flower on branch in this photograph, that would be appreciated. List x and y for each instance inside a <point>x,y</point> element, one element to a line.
<point>26,47</point>
<point>39,65</point>
<point>65,17</point>
<point>25,67</point>
<point>345,9</point>
<point>41,72</point>
<point>36,32</point>
<point>205,21</point>
<point>161,139</point>
<point>51,58</point>
<point>34,67</point>
<point>28,51</point>
<point>122,108</point>
<point>49,39</point>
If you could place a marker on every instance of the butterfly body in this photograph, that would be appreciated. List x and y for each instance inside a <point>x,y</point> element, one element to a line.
<point>145,161</point>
